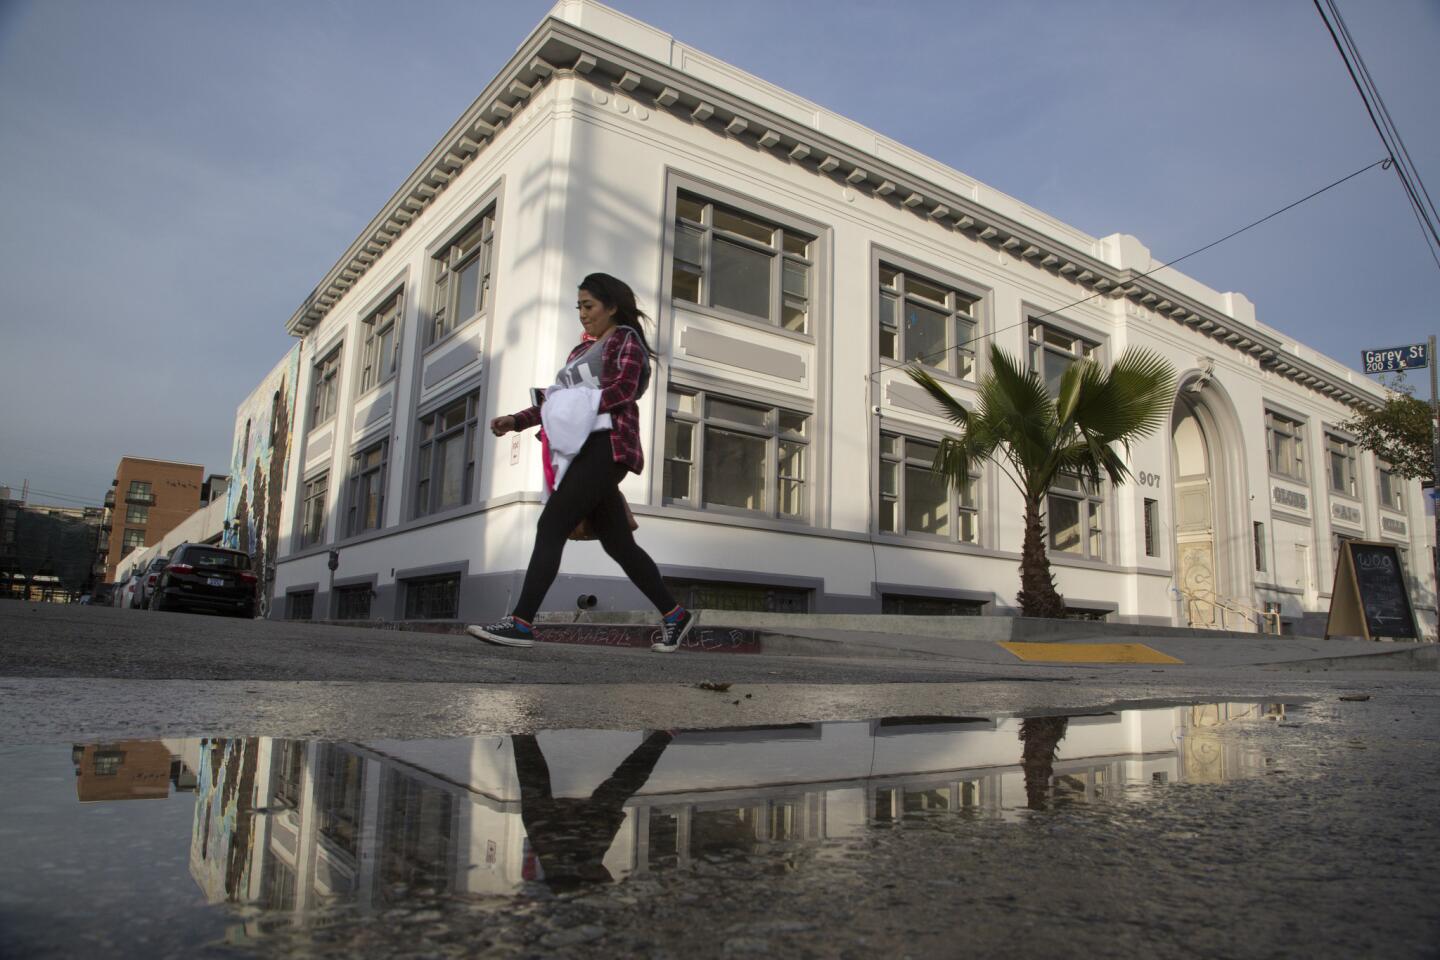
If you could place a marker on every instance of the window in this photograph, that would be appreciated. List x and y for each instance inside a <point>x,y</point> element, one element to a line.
<point>301,605</point>
<point>1340,464</point>
<point>735,455</point>
<point>1152,524</point>
<point>921,606</point>
<point>352,603</point>
<point>137,515</point>
<point>925,322</point>
<point>1258,536</point>
<point>325,388</point>
<point>1392,487</point>
<point>378,339</point>
<point>367,489</point>
<point>134,540</point>
<point>339,801</point>
<point>735,261</point>
<point>1053,351</point>
<point>312,528</point>
<point>913,499</point>
<point>445,461</point>
<point>140,493</point>
<point>1074,510</point>
<point>433,598</point>
<point>1285,440</point>
<point>716,595</point>
<point>462,279</point>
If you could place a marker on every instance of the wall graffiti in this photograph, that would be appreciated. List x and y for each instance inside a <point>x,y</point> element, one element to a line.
<point>707,639</point>
<point>259,459</point>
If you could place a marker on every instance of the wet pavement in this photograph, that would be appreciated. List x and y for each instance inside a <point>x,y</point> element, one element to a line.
<point>1260,828</point>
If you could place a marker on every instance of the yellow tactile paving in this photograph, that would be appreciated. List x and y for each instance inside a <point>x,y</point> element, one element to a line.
<point>1089,652</point>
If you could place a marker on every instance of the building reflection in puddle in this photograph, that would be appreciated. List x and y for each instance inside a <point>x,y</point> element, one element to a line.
<point>291,826</point>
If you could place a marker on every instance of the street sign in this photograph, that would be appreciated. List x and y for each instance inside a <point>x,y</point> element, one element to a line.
<point>1390,359</point>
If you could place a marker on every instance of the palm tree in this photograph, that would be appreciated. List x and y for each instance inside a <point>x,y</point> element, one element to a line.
<point>1036,438</point>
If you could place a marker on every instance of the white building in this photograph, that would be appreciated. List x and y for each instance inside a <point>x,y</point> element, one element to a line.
<point>775,243</point>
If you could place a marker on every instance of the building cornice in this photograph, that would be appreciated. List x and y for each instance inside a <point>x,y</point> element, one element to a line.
<point>560,47</point>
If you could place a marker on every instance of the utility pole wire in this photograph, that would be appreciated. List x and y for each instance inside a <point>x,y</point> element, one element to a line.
<point>1383,161</point>
<point>1388,132</point>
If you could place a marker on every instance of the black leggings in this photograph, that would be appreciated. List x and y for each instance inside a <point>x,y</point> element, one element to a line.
<point>590,488</point>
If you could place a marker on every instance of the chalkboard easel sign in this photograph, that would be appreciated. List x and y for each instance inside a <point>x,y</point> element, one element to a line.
<point>1369,598</point>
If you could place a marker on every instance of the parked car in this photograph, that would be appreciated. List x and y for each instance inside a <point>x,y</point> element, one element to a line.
<point>149,578</point>
<point>206,578</point>
<point>131,590</point>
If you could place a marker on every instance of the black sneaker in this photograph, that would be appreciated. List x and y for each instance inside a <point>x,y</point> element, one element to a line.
<point>672,632</point>
<point>504,632</point>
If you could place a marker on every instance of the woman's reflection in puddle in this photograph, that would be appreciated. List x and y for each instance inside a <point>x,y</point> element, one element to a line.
<point>570,836</point>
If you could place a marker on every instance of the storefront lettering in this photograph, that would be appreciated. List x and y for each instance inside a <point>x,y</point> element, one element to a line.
<point>1345,512</point>
<point>1391,525</point>
<point>1290,498</point>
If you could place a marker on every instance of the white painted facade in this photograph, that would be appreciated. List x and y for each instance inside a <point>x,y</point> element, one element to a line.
<point>577,156</point>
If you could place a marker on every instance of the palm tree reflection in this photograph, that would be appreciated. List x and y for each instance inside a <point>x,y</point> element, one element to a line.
<point>1041,737</point>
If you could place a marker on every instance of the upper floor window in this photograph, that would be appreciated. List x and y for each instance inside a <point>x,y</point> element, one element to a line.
<point>133,540</point>
<point>325,389</point>
<point>926,322</point>
<point>914,499</point>
<point>312,524</point>
<point>445,461</point>
<point>737,455</point>
<point>1392,487</point>
<point>733,260</point>
<point>137,515</point>
<point>377,349</point>
<point>1340,463</point>
<point>1074,512</point>
<point>1054,350</point>
<point>462,279</point>
<point>140,493</point>
<point>1285,440</point>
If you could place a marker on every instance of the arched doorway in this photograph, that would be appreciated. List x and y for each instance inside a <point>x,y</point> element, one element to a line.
<point>1194,517</point>
<point>1210,508</point>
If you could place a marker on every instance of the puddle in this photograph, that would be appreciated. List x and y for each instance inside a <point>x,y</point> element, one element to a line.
<point>201,846</point>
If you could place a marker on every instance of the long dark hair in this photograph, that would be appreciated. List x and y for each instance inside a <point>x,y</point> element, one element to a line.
<point>616,293</point>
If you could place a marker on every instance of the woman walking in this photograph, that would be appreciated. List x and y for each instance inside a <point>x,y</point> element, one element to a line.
<point>592,427</point>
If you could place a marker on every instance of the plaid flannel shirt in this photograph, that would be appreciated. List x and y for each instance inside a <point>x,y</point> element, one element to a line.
<point>624,362</point>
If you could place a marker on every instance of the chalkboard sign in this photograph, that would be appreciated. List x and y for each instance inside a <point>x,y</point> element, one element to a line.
<point>1370,598</point>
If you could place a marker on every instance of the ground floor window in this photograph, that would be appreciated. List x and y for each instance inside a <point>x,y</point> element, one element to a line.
<point>919,606</point>
<point>433,598</point>
<point>367,488</point>
<point>445,456</point>
<point>300,605</point>
<point>1074,511</point>
<point>1087,613</point>
<point>759,598</point>
<point>914,499</point>
<point>736,455</point>
<point>312,528</point>
<point>353,603</point>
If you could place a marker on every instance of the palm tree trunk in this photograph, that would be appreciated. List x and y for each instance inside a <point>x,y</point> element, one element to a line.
<point>1041,738</point>
<point>1038,596</point>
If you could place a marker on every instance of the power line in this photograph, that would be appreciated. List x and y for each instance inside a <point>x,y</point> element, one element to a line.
<point>1169,263</point>
<point>1384,126</point>
<point>83,501</point>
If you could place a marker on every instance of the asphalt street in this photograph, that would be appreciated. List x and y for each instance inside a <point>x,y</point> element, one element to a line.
<point>94,673</point>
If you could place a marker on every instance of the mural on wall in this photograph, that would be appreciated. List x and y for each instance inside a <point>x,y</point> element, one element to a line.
<point>258,463</point>
<point>222,832</point>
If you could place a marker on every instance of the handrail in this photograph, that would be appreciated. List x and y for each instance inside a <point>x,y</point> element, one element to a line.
<point>1228,605</point>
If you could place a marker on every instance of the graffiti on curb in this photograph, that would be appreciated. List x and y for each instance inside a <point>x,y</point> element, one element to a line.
<point>700,639</point>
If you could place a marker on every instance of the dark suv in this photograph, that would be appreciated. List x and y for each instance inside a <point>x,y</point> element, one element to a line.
<point>209,578</point>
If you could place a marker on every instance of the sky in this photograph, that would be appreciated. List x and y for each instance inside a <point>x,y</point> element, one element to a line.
<point>178,174</point>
